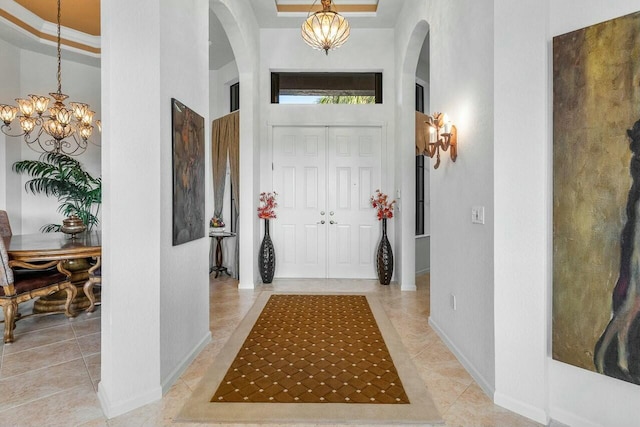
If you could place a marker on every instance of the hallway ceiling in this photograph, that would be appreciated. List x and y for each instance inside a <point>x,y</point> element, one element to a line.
<point>30,24</point>
<point>360,13</point>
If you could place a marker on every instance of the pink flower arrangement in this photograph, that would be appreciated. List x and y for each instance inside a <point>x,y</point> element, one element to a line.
<point>268,203</point>
<point>380,201</point>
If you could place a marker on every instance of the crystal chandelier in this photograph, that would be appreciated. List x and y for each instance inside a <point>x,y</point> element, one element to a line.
<point>55,129</point>
<point>325,29</point>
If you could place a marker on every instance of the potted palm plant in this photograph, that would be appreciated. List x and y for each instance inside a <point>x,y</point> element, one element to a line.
<point>64,177</point>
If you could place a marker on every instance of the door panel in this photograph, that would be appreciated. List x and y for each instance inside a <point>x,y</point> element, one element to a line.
<point>326,174</point>
<point>353,174</point>
<point>299,178</point>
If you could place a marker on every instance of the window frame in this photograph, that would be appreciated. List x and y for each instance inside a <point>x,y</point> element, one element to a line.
<point>322,84</point>
<point>420,162</point>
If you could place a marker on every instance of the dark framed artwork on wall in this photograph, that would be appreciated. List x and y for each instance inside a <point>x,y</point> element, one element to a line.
<point>596,198</point>
<point>188,174</point>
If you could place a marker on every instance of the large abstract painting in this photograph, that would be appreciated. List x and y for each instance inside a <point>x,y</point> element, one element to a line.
<point>596,179</point>
<point>188,174</point>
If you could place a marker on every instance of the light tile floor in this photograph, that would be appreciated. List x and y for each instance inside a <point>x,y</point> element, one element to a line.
<point>49,375</point>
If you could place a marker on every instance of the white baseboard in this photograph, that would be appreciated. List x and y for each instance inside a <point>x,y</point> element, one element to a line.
<point>423,271</point>
<point>499,399</point>
<point>482,382</point>
<point>521,408</point>
<point>182,366</point>
<point>570,418</point>
<point>246,285</point>
<point>113,409</point>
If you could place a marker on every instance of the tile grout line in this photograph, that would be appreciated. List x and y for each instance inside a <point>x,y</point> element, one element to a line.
<point>39,369</point>
<point>84,360</point>
<point>46,396</point>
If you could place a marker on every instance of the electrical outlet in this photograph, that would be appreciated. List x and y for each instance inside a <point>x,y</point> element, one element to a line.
<point>453,302</point>
<point>477,214</point>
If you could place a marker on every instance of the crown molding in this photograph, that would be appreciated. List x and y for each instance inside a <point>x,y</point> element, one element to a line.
<point>34,27</point>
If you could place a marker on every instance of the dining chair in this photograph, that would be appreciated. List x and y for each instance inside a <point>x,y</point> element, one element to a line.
<point>95,278</point>
<point>5,226</point>
<point>22,281</point>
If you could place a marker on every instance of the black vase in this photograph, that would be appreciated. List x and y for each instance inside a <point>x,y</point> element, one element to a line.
<point>266,256</point>
<point>384,258</point>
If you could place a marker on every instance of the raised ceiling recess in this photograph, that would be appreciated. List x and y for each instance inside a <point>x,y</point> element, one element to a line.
<point>35,21</point>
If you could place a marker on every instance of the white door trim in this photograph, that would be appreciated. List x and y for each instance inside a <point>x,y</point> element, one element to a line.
<point>383,162</point>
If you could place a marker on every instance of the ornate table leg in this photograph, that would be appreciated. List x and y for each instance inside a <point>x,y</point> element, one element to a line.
<point>55,302</point>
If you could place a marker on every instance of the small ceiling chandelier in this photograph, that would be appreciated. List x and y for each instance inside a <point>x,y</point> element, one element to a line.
<point>325,29</point>
<point>69,129</point>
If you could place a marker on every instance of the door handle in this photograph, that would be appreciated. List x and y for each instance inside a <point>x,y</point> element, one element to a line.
<point>333,222</point>
<point>331,213</point>
<point>321,222</point>
<point>321,212</point>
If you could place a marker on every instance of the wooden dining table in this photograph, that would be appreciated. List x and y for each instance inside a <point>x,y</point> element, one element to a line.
<point>76,252</point>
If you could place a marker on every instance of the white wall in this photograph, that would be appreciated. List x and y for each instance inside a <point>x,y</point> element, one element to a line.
<point>219,81</point>
<point>10,183</point>
<point>577,396</point>
<point>523,253</point>
<point>155,311</point>
<point>461,36</point>
<point>462,258</point>
<point>132,169</point>
<point>184,275</point>
<point>522,200</point>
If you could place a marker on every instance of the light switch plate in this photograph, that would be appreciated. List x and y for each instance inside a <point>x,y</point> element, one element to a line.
<point>477,214</point>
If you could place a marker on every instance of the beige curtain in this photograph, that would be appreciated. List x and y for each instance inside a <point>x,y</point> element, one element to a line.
<point>225,143</point>
<point>234,155</point>
<point>219,150</point>
<point>421,133</point>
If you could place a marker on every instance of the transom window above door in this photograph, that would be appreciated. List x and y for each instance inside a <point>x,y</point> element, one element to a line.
<point>326,88</point>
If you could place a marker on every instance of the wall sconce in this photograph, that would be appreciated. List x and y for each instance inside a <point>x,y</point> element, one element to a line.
<point>441,135</point>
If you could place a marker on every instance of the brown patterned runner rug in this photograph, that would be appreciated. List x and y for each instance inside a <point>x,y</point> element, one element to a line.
<point>313,349</point>
<point>312,359</point>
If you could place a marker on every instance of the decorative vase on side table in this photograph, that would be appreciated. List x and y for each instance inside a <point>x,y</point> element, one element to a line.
<point>267,256</point>
<point>72,226</point>
<point>384,257</point>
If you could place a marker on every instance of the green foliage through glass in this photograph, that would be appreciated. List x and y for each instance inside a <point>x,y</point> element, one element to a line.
<point>348,99</point>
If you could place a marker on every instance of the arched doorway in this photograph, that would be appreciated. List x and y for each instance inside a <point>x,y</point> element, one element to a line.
<point>406,246</point>
<point>243,38</point>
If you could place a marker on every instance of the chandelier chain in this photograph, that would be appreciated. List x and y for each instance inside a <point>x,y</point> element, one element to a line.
<point>59,53</point>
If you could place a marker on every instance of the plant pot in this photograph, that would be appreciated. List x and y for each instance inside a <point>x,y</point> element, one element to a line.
<point>384,257</point>
<point>266,256</point>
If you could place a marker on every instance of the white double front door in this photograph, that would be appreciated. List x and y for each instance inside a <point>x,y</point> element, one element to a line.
<point>324,177</point>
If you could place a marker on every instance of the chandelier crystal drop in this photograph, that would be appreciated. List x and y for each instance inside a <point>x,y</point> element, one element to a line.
<point>70,128</point>
<point>325,30</point>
